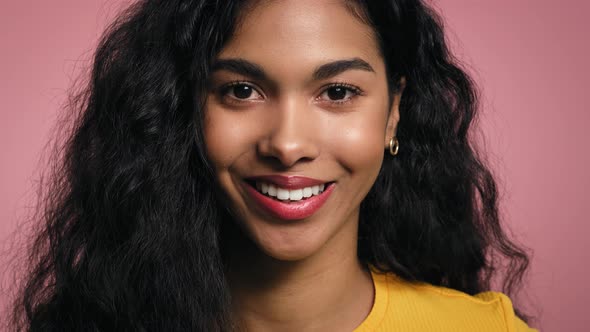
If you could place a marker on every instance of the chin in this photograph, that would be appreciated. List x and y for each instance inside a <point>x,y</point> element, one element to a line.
<point>288,245</point>
<point>290,254</point>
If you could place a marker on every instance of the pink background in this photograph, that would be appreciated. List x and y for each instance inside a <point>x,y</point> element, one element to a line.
<point>529,57</point>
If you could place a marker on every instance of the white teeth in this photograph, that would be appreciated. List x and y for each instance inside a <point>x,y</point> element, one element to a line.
<point>285,194</point>
<point>263,187</point>
<point>296,195</point>
<point>282,194</point>
<point>315,190</point>
<point>272,190</point>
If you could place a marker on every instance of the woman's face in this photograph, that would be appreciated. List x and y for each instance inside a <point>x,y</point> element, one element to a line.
<point>298,100</point>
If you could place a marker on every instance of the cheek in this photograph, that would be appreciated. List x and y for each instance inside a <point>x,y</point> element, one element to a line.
<point>358,143</point>
<point>224,138</point>
<point>215,142</point>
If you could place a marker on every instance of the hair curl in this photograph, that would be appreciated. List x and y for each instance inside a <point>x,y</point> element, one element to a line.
<point>133,235</point>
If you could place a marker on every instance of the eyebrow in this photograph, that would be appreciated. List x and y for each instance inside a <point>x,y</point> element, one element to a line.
<point>332,69</point>
<point>240,66</point>
<point>325,71</point>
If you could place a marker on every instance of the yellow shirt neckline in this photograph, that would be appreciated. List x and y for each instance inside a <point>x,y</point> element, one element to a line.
<point>380,303</point>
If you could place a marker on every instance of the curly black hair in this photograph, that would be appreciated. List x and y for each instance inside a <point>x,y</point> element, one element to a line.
<point>132,234</point>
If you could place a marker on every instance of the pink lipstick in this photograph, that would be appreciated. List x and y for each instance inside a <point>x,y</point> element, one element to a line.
<point>279,205</point>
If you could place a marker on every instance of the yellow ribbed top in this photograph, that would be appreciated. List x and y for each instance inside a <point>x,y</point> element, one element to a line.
<point>404,306</point>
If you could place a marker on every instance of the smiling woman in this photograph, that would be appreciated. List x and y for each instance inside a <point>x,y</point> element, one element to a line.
<point>272,166</point>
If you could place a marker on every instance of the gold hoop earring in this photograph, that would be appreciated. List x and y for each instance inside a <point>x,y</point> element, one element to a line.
<point>393,146</point>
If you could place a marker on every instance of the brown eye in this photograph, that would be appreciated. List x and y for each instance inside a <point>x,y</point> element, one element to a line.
<point>240,92</point>
<point>340,93</point>
<point>337,93</point>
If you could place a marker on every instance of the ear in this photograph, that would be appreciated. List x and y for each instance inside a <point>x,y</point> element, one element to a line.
<point>393,117</point>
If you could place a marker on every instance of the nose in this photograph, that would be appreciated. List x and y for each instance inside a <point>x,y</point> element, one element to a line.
<point>291,135</point>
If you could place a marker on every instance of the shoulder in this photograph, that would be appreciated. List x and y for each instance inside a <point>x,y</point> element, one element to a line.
<point>416,306</point>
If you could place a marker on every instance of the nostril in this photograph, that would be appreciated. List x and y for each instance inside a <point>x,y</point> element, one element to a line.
<point>279,163</point>
<point>285,151</point>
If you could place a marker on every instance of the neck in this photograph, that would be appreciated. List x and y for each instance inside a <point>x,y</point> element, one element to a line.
<point>330,290</point>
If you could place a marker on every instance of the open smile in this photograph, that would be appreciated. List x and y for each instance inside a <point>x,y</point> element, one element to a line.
<point>288,197</point>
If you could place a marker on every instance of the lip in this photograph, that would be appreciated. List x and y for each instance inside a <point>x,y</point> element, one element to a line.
<point>294,210</point>
<point>287,182</point>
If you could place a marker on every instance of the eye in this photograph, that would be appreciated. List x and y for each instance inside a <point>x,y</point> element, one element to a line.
<point>240,91</point>
<point>339,93</point>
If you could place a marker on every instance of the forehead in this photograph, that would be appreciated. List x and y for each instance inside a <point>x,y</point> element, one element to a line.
<point>300,33</point>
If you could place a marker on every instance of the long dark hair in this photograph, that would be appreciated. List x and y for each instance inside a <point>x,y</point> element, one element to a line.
<point>132,233</point>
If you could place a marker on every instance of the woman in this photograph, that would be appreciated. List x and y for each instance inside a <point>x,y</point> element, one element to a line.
<point>272,166</point>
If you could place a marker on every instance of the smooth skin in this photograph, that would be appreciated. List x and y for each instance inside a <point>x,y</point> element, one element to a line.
<point>300,89</point>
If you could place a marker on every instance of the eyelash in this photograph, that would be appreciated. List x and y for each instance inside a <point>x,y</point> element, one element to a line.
<point>223,90</point>
<point>356,91</point>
